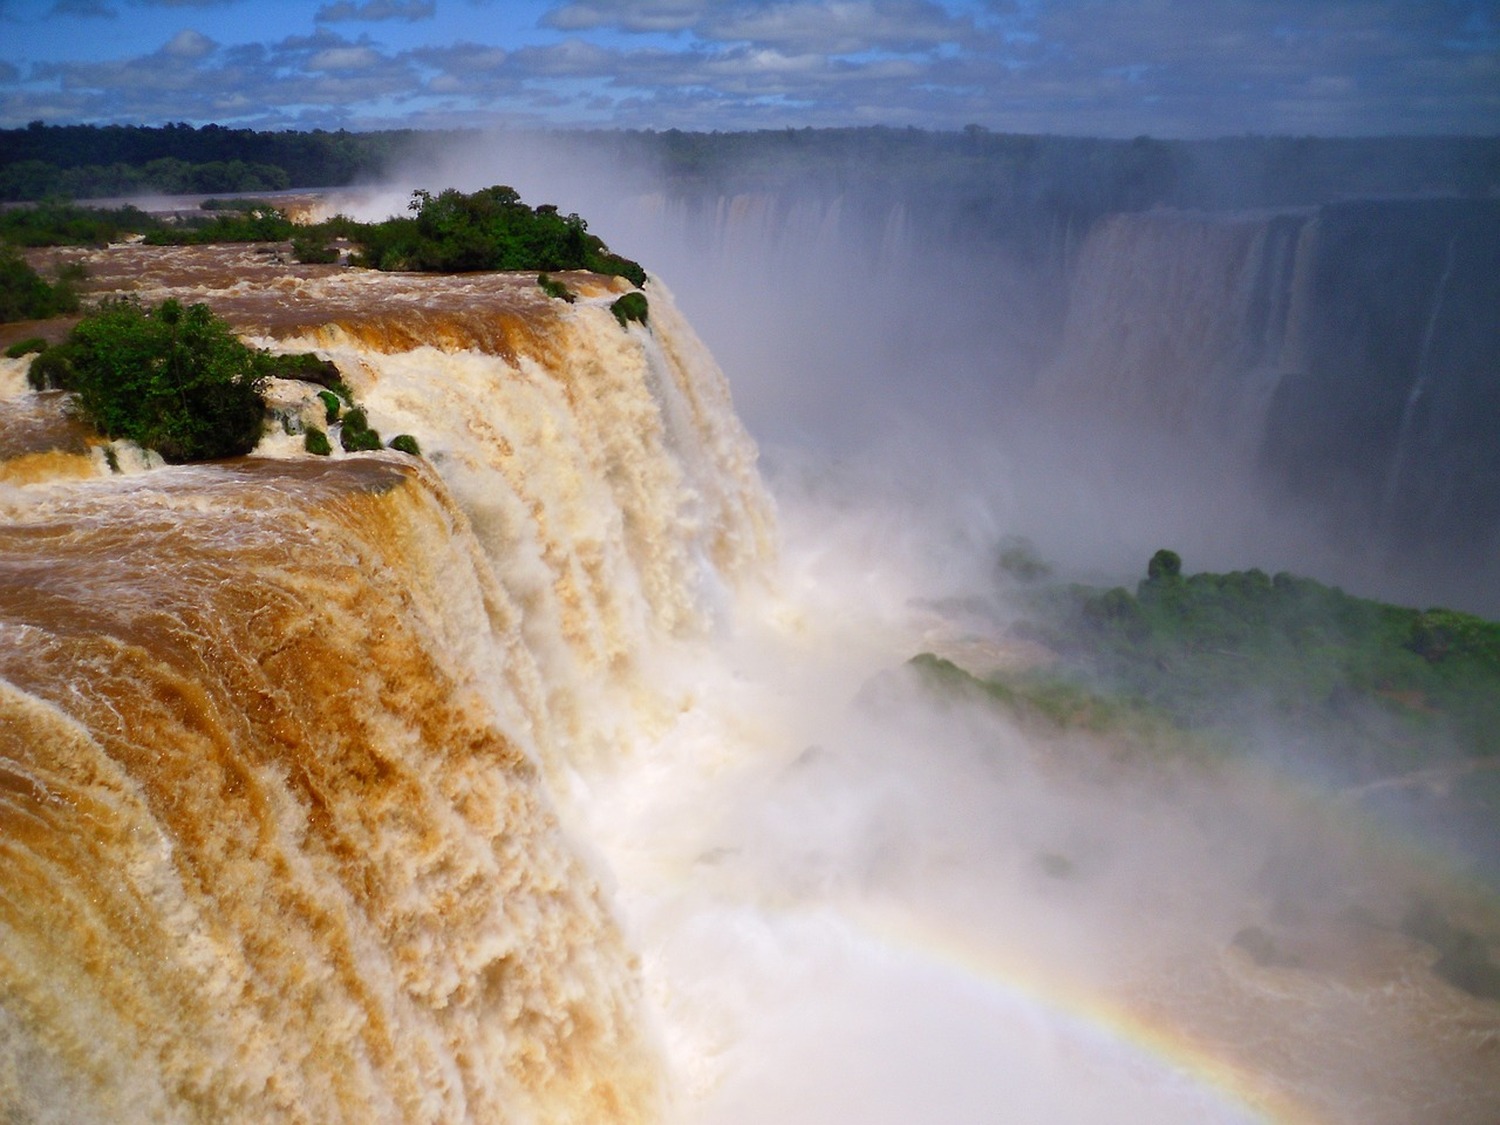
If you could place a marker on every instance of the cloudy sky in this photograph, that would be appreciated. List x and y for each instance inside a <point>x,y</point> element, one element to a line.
<point>1168,68</point>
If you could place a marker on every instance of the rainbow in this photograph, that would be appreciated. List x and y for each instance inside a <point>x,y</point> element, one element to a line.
<point>1242,1094</point>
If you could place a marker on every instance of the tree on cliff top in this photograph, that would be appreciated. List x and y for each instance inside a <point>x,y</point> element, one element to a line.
<point>490,229</point>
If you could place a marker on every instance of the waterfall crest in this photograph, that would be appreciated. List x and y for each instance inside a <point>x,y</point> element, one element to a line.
<point>277,772</point>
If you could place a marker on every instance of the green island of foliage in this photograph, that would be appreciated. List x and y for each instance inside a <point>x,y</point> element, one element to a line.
<point>173,379</point>
<point>490,229</point>
<point>178,380</point>
<point>632,306</point>
<point>261,223</point>
<point>451,232</point>
<point>52,223</point>
<point>26,295</point>
<point>1377,688</point>
<point>1398,708</point>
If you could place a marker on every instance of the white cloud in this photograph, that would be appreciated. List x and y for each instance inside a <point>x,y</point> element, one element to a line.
<point>345,58</point>
<point>373,11</point>
<point>1165,67</point>
<point>840,27</point>
<point>189,44</point>
<point>627,15</point>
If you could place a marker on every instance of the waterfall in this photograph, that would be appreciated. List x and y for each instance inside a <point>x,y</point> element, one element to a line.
<point>554,777</point>
<point>1178,321</point>
<point>286,743</point>
<point>1339,361</point>
<point>1419,386</point>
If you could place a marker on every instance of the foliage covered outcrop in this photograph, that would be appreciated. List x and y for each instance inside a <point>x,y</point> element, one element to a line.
<point>1378,683</point>
<point>26,295</point>
<point>490,229</point>
<point>173,379</point>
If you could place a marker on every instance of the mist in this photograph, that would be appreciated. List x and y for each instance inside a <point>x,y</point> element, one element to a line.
<point>915,338</point>
<point>856,900</point>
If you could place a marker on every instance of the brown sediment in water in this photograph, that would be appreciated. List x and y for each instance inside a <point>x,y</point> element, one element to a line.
<point>278,731</point>
<point>41,423</point>
<point>260,291</point>
<point>267,852</point>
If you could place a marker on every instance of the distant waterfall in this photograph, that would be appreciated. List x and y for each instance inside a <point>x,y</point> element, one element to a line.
<point>1180,320</point>
<point>1348,359</point>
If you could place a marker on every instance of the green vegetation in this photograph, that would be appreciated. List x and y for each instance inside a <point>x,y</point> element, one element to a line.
<point>24,295</point>
<point>1019,560</point>
<point>52,223</point>
<point>1381,687</point>
<point>490,229</point>
<point>975,180</point>
<point>632,306</point>
<point>50,370</point>
<point>450,232</point>
<point>167,378</point>
<point>314,249</point>
<point>332,404</point>
<point>405,443</point>
<point>306,366</point>
<point>315,441</point>
<point>355,434</point>
<point>28,346</point>
<point>41,179</point>
<point>258,224</point>
<point>555,289</point>
<point>1061,702</point>
<point>93,161</point>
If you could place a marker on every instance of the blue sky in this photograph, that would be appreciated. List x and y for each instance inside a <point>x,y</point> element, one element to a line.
<point>1168,68</point>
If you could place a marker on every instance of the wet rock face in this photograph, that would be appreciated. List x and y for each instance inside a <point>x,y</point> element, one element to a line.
<point>1391,419</point>
<point>1345,358</point>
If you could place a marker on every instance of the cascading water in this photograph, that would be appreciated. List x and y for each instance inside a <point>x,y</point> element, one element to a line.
<point>1419,387</point>
<point>276,842</point>
<point>523,785</point>
<point>1180,320</point>
<point>280,840</point>
<point>1337,365</point>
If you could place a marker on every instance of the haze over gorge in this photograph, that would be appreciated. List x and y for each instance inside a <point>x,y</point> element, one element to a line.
<point>579,769</point>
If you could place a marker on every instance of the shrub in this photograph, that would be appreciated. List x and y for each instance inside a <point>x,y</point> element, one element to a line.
<point>304,366</point>
<point>556,289</point>
<point>170,379</point>
<point>315,441</point>
<point>258,224</point>
<point>630,307</point>
<point>490,229</point>
<point>313,250</point>
<point>25,296</point>
<point>26,347</point>
<point>405,443</point>
<point>1164,566</point>
<point>355,434</point>
<point>332,404</point>
<point>1019,559</point>
<point>64,224</point>
<point>51,370</point>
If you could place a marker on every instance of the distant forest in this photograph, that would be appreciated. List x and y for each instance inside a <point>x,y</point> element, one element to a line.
<point>973,171</point>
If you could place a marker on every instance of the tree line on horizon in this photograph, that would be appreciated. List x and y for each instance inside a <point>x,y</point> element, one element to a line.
<point>974,168</point>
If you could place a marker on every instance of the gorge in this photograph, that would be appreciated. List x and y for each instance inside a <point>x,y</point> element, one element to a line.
<point>561,776</point>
